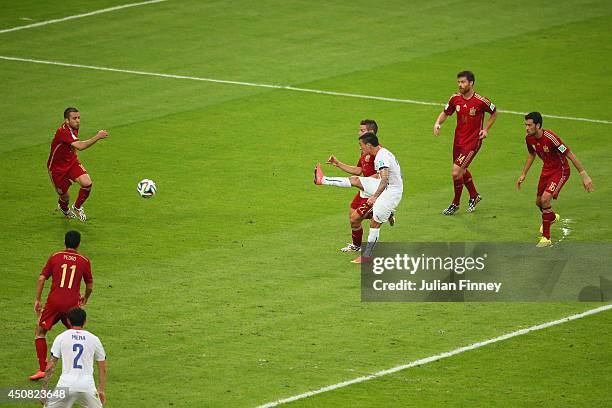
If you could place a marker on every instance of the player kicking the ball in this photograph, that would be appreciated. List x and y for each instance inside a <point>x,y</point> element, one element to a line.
<point>555,171</point>
<point>364,167</point>
<point>384,189</point>
<point>64,167</point>
<point>469,134</point>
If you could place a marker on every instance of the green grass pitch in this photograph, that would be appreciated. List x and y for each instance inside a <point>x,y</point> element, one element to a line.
<point>227,289</point>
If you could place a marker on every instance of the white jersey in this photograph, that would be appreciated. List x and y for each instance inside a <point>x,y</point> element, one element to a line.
<point>78,349</point>
<point>385,159</point>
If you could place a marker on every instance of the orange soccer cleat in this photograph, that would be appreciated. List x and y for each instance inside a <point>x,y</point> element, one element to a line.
<point>318,175</point>
<point>37,376</point>
<point>362,260</point>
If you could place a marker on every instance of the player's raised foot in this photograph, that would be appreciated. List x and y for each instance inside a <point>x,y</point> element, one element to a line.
<point>544,242</point>
<point>362,260</point>
<point>37,376</point>
<point>68,214</point>
<point>451,209</point>
<point>472,203</point>
<point>350,247</point>
<point>557,218</point>
<point>318,175</point>
<point>392,220</point>
<point>79,212</point>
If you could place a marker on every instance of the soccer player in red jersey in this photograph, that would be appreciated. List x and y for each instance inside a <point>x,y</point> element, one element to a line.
<point>66,268</point>
<point>64,167</point>
<point>357,210</point>
<point>469,133</point>
<point>555,171</point>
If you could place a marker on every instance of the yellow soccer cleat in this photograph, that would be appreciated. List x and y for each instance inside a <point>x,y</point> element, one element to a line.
<point>557,218</point>
<point>544,242</point>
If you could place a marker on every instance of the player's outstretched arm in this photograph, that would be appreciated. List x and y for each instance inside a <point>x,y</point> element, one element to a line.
<point>384,181</point>
<point>485,131</point>
<point>586,180</point>
<point>84,144</point>
<point>526,167</point>
<point>344,167</point>
<point>441,118</point>
<point>101,380</point>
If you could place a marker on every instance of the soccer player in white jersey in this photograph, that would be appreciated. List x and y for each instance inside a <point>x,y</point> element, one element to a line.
<point>384,189</point>
<point>78,350</point>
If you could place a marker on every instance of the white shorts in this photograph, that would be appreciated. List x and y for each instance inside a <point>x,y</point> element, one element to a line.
<point>84,399</point>
<point>386,203</point>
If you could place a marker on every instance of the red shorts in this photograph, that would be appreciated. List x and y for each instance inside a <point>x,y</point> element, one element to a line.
<point>463,156</point>
<point>361,205</point>
<point>553,182</point>
<point>51,315</point>
<point>62,180</point>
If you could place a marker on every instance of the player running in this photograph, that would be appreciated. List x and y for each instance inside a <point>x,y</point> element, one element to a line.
<point>469,133</point>
<point>384,190</point>
<point>78,349</point>
<point>365,167</point>
<point>66,268</point>
<point>555,171</point>
<point>64,167</point>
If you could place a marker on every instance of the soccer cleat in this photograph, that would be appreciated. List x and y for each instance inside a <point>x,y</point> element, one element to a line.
<point>451,209</point>
<point>79,212</point>
<point>544,242</point>
<point>350,248</point>
<point>557,218</point>
<point>318,175</point>
<point>68,214</point>
<point>472,203</point>
<point>392,220</point>
<point>362,260</point>
<point>37,376</point>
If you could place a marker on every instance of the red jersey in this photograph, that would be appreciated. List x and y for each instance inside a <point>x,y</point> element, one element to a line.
<point>470,117</point>
<point>366,162</point>
<point>551,150</point>
<point>63,155</point>
<point>67,268</point>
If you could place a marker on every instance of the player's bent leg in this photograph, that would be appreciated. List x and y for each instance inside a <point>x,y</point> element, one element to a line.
<point>548,216</point>
<point>356,232</point>
<point>457,174</point>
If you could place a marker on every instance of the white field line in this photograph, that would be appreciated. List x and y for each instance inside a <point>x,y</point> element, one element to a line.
<point>91,13</point>
<point>436,357</point>
<point>285,87</point>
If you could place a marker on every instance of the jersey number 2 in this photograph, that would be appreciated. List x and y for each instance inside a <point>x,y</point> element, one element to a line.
<point>75,347</point>
<point>72,271</point>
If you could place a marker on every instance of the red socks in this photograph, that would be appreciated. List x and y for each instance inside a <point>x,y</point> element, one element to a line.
<point>63,204</point>
<point>548,216</point>
<point>41,352</point>
<point>458,184</point>
<point>83,194</point>
<point>357,236</point>
<point>469,184</point>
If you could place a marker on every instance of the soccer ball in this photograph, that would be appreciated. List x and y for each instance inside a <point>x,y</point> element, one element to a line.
<point>147,188</point>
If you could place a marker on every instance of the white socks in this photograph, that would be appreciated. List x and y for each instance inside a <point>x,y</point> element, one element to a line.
<point>373,235</point>
<point>336,181</point>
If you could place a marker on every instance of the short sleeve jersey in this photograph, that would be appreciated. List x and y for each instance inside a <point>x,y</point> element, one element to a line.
<point>386,159</point>
<point>78,349</point>
<point>67,269</point>
<point>366,162</point>
<point>470,117</point>
<point>551,149</point>
<point>63,155</point>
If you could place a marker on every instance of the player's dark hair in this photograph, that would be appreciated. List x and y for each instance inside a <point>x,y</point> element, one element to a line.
<point>72,239</point>
<point>371,125</point>
<point>535,116</point>
<point>370,138</point>
<point>469,75</point>
<point>68,111</point>
<point>76,317</point>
